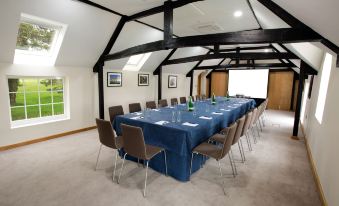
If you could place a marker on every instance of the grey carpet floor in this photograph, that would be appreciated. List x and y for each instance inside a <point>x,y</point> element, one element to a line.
<point>61,172</point>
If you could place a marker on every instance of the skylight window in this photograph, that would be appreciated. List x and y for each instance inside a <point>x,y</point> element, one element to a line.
<point>135,62</point>
<point>38,41</point>
<point>325,77</point>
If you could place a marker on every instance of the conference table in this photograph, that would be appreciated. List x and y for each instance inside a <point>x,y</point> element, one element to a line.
<point>161,127</point>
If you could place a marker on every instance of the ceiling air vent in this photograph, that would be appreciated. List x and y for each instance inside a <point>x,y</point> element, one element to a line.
<point>208,28</point>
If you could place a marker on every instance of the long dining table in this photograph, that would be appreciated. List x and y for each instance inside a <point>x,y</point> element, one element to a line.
<point>178,136</point>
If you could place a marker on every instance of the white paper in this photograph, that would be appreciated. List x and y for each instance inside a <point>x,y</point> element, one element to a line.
<point>162,122</point>
<point>227,110</point>
<point>189,124</point>
<point>137,113</point>
<point>219,113</point>
<point>137,117</point>
<point>204,117</point>
<point>157,110</point>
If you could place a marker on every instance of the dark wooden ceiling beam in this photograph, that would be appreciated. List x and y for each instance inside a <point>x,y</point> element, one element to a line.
<point>190,73</point>
<point>245,49</point>
<point>240,56</point>
<point>272,65</point>
<point>160,9</point>
<point>241,37</point>
<point>157,70</point>
<point>295,23</point>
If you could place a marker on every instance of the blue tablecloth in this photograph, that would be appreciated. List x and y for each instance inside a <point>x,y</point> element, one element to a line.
<point>178,139</point>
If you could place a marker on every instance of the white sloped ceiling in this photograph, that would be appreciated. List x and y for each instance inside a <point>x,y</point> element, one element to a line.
<point>88,32</point>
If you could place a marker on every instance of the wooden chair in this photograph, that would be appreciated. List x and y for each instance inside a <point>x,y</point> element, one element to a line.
<point>115,111</point>
<point>134,107</point>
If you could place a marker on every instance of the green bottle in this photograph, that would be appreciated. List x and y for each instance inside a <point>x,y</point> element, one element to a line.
<point>190,104</point>
<point>213,99</point>
<point>227,96</point>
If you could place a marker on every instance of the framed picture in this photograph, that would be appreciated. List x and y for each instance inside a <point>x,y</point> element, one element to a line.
<point>172,81</point>
<point>143,79</point>
<point>114,79</point>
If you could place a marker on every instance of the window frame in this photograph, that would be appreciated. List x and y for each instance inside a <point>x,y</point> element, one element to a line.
<point>41,119</point>
<point>35,57</point>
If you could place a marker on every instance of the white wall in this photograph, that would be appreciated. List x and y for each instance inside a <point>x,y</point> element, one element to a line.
<point>81,102</point>
<point>323,138</point>
<point>182,90</point>
<point>130,92</point>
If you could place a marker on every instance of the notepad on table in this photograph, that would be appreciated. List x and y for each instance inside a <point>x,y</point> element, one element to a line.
<point>190,124</point>
<point>137,117</point>
<point>137,113</point>
<point>218,113</point>
<point>204,117</point>
<point>227,110</point>
<point>162,122</point>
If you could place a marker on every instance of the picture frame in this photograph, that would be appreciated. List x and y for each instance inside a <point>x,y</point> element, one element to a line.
<point>143,79</point>
<point>114,79</point>
<point>172,81</point>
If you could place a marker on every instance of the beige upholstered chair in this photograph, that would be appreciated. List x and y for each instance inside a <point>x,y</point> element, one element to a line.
<point>174,101</point>
<point>107,137</point>
<point>151,105</point>
<point>134,107</point>
<point>134,145</point>
<point>163,103</point>
<point>183,100</point>
<point>215,152</point>
<point>115,111</point>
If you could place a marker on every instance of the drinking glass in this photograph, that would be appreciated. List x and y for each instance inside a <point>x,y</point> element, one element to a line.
<point>173,116</point>
<point>179,116</point>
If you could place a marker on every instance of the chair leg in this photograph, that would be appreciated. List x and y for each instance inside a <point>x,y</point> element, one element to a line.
<point>243,151</point>
<point>115,164</point>
<point>220,170</point>
<point>165,161</point>
<point>235,166</point>
<point>122,167</point>
<point>248,142</point>
<point>229,156</point>
<point>257,128</point>
<point>191,163</point>
<point>146,179</point>
<point>96,164</point>
<point>240,151</point>
<point>260,124</point>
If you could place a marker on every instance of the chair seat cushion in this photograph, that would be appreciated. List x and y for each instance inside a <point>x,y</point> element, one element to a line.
<point>209,150</point>
<point>219,138</point>
<point>151,151</point>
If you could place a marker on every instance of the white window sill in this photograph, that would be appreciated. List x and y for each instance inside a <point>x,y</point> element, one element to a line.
<point>38,121</point>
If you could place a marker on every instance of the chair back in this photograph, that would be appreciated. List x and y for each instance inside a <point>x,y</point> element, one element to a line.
<point>134,107</point>
<point>151,105</point>
<point>203,97</point>
<point>134,143</point>
<point>115,111</point>
<point>230,134</point>
<point>240,127</point>
<point>174,101</point>
<point>247,123</point>
<point>163,103</point>
<point>106,133</point>
<point>183,100</point>
<point>198,97</point>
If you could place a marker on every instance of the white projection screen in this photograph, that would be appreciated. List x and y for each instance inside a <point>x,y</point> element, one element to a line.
<point>252,83</point>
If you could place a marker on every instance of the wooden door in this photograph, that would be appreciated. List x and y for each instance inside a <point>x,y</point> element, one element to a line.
<point>219,83</point>
<point>207,87</point>
<point>280,90</point>
<point>199,84</point>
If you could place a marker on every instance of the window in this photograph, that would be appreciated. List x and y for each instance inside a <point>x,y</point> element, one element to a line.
<point>38,41</point>
<point>36,100</point>
<point>325,77</point>
<point>135,62</point>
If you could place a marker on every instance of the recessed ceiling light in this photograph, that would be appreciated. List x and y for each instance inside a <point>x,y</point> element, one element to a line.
<point>237,14</point>
<point>267,50</point>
